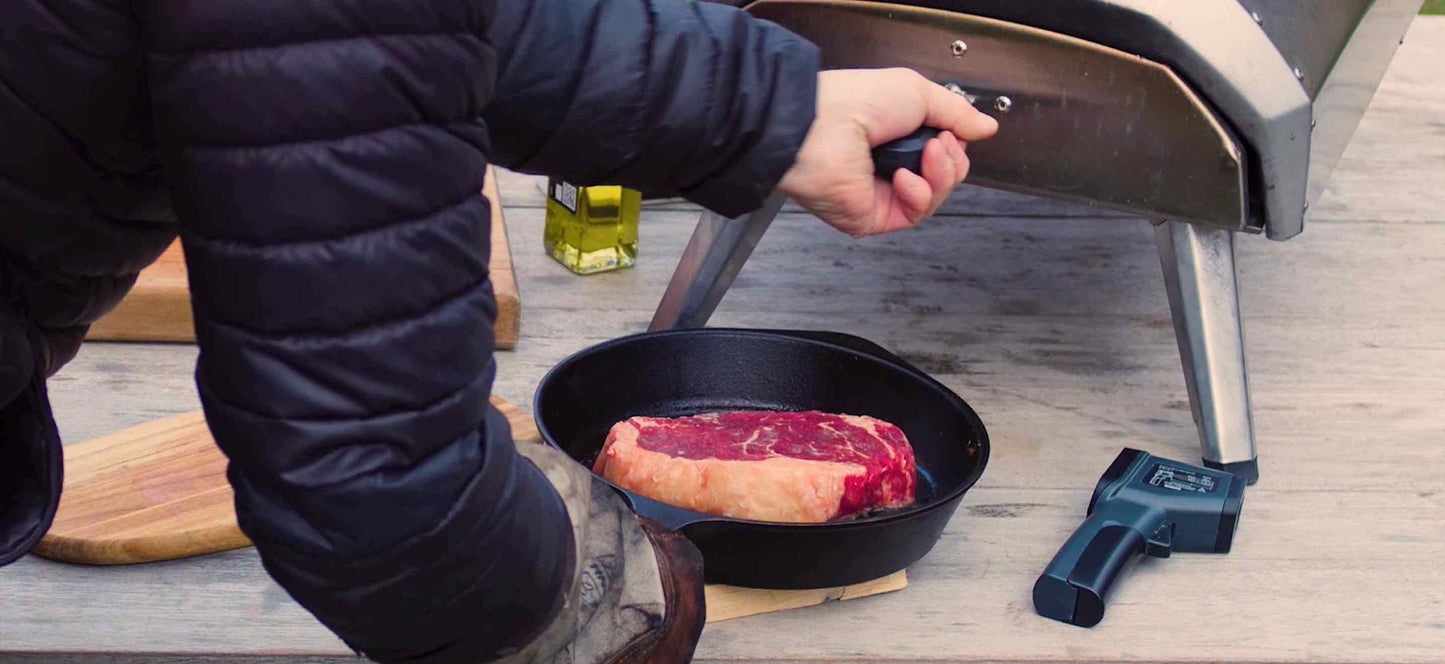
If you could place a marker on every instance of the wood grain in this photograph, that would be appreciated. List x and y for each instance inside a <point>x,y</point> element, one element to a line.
<point>152,492</point>
<point>158,307</point>
<point>729,602</point>
<point>508,326</point>
<point>158,491</point>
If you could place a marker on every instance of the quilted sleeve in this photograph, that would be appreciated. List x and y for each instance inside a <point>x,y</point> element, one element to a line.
<point>690,97</point>
<point>326,162</point>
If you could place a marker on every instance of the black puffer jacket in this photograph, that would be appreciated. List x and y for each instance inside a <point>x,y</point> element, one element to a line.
<point>322,163</point>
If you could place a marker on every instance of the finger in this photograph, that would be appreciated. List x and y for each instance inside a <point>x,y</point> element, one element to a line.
<point>955,152</point>
<point>938,170</point>
<point>946,110</point>
<point>912,196</point>
<point>887,214</point>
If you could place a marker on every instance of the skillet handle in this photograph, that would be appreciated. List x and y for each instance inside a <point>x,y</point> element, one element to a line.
<point>905,153</point>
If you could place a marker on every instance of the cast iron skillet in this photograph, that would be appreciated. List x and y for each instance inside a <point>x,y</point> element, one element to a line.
<point>685,372</point>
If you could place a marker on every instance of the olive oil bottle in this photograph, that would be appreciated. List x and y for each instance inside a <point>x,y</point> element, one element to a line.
<point>592,229</point>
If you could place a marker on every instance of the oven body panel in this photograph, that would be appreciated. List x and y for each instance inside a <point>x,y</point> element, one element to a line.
<point>1288,79</point>
<point>1078,121</point>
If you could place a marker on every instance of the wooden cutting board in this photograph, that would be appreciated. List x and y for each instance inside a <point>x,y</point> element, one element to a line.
<point>158,307</point>
<point>158,491</point>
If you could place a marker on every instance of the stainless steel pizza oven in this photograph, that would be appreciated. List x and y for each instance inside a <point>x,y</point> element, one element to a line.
<point>1208,117</point>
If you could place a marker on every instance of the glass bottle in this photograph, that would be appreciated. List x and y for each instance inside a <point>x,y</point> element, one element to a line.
<point>591,229</point>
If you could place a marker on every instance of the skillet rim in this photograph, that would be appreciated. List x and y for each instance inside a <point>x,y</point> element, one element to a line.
<point>898,364</point>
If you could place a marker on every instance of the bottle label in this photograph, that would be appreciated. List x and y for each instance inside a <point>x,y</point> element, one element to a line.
<point>565,194</point>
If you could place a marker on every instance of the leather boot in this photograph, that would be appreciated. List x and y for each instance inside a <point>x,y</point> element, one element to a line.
<point>637,592</point>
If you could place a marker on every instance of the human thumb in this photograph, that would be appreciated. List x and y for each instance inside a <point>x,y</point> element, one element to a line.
<point>950,111</point>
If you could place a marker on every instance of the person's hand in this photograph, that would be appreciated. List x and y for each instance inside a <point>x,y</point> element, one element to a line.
<point>858,109</point>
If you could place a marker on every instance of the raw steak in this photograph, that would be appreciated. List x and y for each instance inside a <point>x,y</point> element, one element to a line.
<point>805,467</point>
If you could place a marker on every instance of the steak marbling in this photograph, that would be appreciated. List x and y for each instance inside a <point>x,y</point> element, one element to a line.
<point>794,467</point>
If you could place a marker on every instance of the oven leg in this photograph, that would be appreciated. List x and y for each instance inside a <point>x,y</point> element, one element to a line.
<point>1200,276</point>
<point>713,257</point>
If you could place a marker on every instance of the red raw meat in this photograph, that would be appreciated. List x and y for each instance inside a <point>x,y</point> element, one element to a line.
<point>795,467</point>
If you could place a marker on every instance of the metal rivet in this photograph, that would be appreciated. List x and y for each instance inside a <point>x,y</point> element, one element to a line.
<point>1299,73</point>
<point>1003,104</point>
<point>958,48</point>
<point>1313,122</point>
<point>1257,18</point>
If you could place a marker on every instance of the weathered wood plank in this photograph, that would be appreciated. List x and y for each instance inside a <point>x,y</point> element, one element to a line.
<point>1046,404</point>
<point>1287,580</point>
<point>1392,169</point>
<point>111,386</point>
<point>971,596</point>
<point>1006,266</point>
